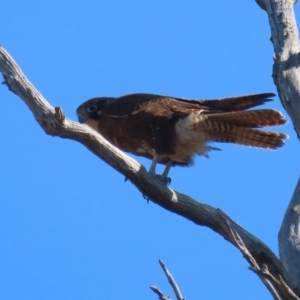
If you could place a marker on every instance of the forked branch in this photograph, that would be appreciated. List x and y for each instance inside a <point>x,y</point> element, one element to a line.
<point>286,75</point>
<point>172,283</point>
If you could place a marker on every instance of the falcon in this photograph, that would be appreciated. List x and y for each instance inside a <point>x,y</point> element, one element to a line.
<point>171,131</point>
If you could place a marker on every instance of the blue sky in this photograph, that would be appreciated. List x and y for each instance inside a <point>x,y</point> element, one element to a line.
<point>71,228</point>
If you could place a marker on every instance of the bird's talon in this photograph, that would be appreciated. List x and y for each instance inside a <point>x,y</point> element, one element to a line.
<point>163,179</point>
<point>168,180</point>
<point>146,197</point>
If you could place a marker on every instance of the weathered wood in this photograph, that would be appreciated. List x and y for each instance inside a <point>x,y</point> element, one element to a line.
<point>289,239</point>
<point>286,75</point>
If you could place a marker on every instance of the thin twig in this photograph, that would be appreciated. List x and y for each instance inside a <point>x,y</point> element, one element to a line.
<point>157,291</point>
<point>277,287</point>
<point>171,281</point>
<point>279,283</point>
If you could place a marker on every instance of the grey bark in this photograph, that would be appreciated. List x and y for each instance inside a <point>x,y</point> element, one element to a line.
<point>289,240</point>
<point>172,282</point>
<point>286,75</point>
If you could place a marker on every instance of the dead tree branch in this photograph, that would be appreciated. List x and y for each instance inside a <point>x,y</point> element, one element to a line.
<point>276,285</point>
<point>286,75</point>
<point>158,292</point>
<point>172,283</point>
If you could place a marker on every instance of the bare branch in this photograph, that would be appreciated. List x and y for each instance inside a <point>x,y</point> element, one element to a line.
<point>289,238</point>
<point>55,123</point>
<point>157,291</point>
<point>285,39</point>
<point>277,287</point>
<point>286,75</point>
<point>236,239</point>
<point>172,281</point>
<point>283,289</point>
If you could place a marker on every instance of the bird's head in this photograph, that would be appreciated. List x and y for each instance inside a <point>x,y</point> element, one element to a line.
<point>91,109</point>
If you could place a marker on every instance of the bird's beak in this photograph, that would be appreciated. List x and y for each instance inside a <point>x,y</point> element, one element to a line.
<point>81,118</point>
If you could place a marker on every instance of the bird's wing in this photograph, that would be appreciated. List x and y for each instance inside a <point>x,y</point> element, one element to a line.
<point>156,105</point>
<point>229,104</point>
<point>169,107</point>
<point>238,103</point>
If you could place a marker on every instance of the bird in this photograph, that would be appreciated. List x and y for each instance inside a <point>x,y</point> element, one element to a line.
<point>172,131</point>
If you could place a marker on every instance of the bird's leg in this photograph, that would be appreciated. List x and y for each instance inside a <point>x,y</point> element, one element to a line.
<point>162,178</point>
<point>153,164</point>
<point>167,169</point>
<point>165,178</point>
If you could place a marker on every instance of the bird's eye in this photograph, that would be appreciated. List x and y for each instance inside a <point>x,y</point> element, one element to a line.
<point>92,108</point>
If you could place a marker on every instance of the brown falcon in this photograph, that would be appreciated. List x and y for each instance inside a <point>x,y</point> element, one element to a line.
<point>171,131</point>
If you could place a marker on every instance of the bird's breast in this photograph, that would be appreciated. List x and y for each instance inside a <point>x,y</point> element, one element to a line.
<point>189,140</point>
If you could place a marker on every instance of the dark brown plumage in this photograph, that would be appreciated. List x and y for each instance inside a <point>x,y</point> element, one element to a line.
<point>172,130</point>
